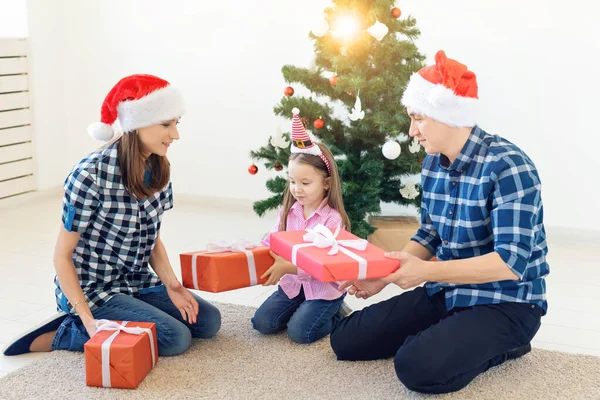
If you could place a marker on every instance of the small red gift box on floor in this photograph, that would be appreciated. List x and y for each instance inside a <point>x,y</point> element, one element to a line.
<point>120,354</point>
<point>332,256</point>
<point>225,266</point>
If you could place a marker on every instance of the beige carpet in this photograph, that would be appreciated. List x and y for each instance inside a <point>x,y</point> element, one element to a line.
<point>241,364</point>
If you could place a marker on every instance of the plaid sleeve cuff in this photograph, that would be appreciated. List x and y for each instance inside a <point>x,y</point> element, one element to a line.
<point>80,201</point>
<point>515,257</point>
<point>427,240</point>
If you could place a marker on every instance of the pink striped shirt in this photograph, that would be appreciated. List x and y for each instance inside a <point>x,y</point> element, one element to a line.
<point>291,284</point>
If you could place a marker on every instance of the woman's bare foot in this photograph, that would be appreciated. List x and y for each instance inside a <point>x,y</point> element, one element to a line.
<point>42,343</point>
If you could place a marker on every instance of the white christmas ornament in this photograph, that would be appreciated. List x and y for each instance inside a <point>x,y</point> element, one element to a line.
<point>378,30</point>
<point>321,28</point>
<point>414,147</point>
<point>409,191</point>
<point>391,150</point>
<point>357,112</point>
<point>278,140</point>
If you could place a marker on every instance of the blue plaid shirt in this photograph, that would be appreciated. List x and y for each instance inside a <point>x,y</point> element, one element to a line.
<point>117,232</point>
<point>488,199</point>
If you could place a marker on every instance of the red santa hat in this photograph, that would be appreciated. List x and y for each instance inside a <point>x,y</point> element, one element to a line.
<point>445,92</point>
<point>136,101</point>
<point>301,142</point>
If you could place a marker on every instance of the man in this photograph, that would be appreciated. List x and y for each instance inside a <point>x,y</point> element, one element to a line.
<point>482,216</point>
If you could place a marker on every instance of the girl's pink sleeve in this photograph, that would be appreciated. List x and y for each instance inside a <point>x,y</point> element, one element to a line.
<point>267,239</point>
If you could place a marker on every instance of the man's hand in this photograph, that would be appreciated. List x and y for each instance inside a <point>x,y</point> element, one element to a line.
<point>279,268</point>
<point>412,272</point>
<point>364,289</point>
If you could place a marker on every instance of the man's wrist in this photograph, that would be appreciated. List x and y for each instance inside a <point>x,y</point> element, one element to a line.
<point>431,271</point>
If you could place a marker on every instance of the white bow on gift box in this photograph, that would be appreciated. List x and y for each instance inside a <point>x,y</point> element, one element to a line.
<point>222,246</point>
<point>106,325</point>
<point>320,236</point>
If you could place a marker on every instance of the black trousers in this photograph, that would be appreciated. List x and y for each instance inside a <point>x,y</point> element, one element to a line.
<point>435,351</point>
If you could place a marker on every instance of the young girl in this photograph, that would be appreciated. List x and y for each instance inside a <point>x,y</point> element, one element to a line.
<point>110,234</point>
<point>307,307</point>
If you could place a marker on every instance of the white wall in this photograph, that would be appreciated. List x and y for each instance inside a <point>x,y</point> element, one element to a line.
<point>536,64</point>
<point>226,57</point>
<point>13,18</point>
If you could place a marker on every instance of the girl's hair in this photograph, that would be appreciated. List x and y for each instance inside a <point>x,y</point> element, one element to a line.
<point>134,167</point>
<point>333,194</point>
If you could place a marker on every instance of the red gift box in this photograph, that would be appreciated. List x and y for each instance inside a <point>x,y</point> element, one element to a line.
<point>120,354</point>
<point>225,266</point>
<point>332,256</point>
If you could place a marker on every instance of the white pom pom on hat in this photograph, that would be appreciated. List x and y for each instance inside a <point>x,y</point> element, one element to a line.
<point>100,131</point>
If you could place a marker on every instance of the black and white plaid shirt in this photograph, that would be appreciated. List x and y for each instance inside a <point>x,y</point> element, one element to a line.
<point>118,232</point>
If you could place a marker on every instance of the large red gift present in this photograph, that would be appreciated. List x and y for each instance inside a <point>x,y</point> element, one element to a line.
<point>120,354</point>
<point>331,256</point>
<point>225,266</point>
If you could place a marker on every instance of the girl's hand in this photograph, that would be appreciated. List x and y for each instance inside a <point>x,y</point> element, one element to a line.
<point>184,301</point>
<point>279,268</point>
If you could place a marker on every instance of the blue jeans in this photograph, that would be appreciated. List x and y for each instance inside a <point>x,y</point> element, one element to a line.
<point>307,320</point>
<point>173,333</point>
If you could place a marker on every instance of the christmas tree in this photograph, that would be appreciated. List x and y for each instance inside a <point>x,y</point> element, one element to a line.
<point>364,57</point>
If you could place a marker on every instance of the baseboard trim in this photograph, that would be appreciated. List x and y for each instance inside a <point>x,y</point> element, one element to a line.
<point>572,235</point>
<point>31,197</point>
<point>185,200</point>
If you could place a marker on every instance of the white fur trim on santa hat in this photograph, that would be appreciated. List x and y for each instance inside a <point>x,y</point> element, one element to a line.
<point>439,103</point>
<point>159,106</point>
<point>100,131</point>
<point>314,149</point>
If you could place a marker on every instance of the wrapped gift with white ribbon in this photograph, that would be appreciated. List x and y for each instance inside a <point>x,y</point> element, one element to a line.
<point>225,266</point>
<point>120,354</point>
<point>332,256</point>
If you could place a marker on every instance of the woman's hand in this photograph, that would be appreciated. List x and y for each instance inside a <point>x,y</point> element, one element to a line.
<point>184,301</point>
<point>90,326</point>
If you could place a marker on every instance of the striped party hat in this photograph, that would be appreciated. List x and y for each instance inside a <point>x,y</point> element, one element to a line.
<point>301,142</point>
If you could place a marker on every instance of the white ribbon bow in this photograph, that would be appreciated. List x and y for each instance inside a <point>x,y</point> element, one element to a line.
<point>221,246</point>
<point>106,325</point>
<point>320,236</point>
<point>237,246</point>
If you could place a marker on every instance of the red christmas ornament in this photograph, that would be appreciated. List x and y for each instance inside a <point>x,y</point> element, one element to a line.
<point>396,13</point>
<point>253,169</point>
<point>289,91</point>
<point>278,166</point>
<point>333,80</point>
<point>319,123</point>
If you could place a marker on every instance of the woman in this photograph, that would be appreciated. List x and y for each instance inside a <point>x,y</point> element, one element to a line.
<point>112,211</point>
